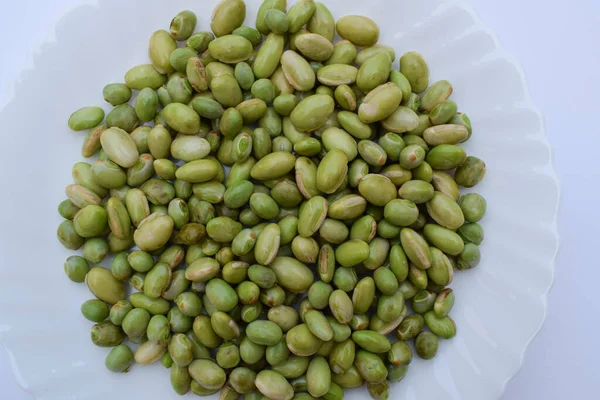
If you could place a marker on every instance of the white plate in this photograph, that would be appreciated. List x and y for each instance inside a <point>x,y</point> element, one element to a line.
<point>500,305</point>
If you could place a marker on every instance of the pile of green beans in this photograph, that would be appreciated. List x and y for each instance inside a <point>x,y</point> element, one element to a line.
<point>288,210</point>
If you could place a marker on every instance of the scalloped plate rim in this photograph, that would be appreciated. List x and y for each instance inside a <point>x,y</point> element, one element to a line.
<point>551,173</point>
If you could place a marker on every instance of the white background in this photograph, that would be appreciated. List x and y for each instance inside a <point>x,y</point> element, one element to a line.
<point>557,44</point>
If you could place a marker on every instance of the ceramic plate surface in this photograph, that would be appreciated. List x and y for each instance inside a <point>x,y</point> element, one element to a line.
<point>500,305</point>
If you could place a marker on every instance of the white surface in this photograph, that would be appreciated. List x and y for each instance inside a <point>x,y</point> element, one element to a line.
<point>487,84</point>
<point>561,67</point>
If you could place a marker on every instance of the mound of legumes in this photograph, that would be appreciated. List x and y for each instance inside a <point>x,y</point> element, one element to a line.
<point>285,206</point>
